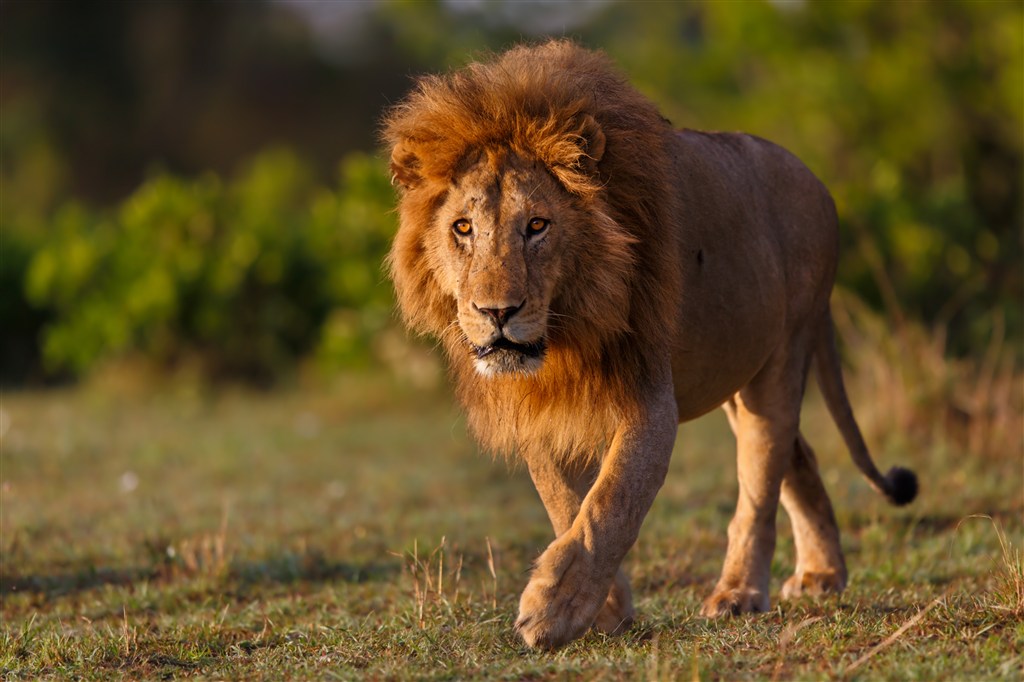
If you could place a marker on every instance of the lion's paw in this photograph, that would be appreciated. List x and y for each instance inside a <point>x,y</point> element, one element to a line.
<point>616,616</point>
<point>816,584</point>
<point>734,601</point>
<point>563,597</point>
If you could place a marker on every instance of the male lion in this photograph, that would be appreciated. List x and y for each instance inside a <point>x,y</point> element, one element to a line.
<point>597,277</point>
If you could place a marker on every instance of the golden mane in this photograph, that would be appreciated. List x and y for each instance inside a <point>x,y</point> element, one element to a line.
<point>606,145</point>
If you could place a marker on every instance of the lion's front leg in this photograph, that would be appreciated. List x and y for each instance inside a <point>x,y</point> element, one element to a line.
<point>562,485</point>
<point>576,582</point>
<point>567,588</point>
<point>558,605</point>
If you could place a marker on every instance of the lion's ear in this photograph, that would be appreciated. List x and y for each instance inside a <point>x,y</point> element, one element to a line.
<point>577,154</point>
<point>593,142</point>
<point>405,165</point>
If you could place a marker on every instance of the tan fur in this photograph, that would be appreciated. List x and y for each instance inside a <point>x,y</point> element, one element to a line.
<point>674,272</point>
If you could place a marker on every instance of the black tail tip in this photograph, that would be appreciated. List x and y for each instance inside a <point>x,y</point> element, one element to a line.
<point>901,486</point>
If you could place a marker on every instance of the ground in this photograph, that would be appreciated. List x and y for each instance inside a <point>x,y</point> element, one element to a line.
<point>354,531</point>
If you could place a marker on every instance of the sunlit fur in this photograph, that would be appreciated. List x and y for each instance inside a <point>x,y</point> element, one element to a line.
<point>681,271</point>
<point>560,105</point>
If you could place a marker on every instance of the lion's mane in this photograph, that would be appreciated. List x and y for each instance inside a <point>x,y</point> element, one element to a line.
<point>564,106</point>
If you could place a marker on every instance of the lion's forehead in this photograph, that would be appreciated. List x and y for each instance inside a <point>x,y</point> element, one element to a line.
<point>508,189</point>
<point>477,189</point>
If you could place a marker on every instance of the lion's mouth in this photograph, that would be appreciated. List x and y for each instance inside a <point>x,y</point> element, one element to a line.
<point>526,350</point>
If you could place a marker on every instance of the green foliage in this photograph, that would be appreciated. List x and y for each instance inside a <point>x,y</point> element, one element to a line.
<point>365,211</point>
<point>912,115</point>
<point>240,275</point>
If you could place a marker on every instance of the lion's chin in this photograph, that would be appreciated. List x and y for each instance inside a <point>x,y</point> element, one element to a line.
<point>507,357</point>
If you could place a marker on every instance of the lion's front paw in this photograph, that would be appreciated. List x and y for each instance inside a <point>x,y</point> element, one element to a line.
<point>726,601</point>
<point>616,616</point>
<point>563,597</point>
<point>813,584</point>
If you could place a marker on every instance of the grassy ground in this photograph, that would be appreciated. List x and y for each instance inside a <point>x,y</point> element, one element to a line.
<point>357,533</point>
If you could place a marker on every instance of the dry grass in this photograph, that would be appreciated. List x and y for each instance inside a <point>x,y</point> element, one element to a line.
<point>267,536</point>
<point>1008,593</point>
<point>975,403</point>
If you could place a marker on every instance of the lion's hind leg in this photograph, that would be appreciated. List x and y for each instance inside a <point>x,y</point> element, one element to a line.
<point>820,568</point>
<point>765,426</point>
<point>765,418</point>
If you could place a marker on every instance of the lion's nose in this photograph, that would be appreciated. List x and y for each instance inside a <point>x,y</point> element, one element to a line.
<point>499,315</point>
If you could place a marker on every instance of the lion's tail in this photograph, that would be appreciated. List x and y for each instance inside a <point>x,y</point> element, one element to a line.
<point>899,485</point>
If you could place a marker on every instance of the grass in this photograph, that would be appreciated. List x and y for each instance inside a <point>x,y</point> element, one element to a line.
<point>356,533</point>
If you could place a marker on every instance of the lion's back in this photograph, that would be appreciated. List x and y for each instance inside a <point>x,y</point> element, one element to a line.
<point>758,243</point>
<point>760,201</point>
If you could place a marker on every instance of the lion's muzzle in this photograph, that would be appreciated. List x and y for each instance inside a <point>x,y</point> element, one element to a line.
<point>528,350</point>
<point>508,357</point>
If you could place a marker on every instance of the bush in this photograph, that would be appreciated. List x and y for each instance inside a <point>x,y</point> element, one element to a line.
<point>241,276</point>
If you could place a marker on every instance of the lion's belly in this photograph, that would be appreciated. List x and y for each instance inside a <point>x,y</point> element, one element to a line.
<point>697,398</point>
<point>706,375</point>
<point>732,318</point>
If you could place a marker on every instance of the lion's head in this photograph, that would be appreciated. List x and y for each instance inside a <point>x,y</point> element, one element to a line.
<point>522,207</point>
<point>508,243</point>
<point>502,233</point>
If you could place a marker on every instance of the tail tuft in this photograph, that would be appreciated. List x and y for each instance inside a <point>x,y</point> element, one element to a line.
<point>900,486</point>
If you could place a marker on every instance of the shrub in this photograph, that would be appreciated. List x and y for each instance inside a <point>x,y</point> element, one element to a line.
<point>241,276</point>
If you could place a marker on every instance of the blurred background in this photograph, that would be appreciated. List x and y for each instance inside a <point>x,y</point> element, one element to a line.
<point>198,188</point>
<point>221,455</point>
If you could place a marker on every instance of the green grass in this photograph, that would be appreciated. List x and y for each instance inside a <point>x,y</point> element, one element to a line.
<point>356,532</point>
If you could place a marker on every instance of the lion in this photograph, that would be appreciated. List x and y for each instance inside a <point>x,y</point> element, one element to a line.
<point>597,277</point>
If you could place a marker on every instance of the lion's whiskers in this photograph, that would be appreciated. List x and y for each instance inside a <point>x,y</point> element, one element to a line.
<point>451,333</point>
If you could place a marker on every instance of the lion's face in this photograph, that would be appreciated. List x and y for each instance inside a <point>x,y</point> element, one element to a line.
<point>502,234</point>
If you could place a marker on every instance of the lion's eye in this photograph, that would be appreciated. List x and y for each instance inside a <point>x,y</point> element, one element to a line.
<point>537,226</point>
<point>463,227</point>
